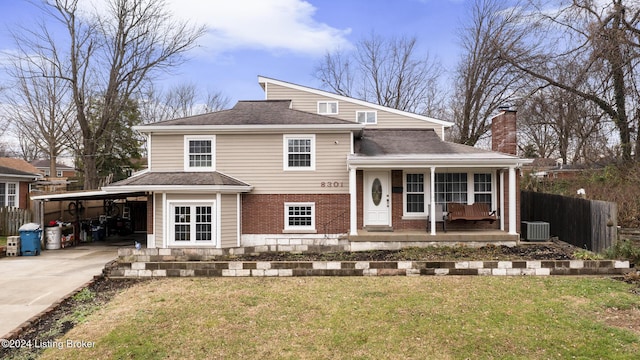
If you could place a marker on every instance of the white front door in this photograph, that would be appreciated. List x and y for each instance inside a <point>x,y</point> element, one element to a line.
<point>377,198</point>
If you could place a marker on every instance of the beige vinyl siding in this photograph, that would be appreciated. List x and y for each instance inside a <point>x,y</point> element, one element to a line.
<point>307,101</point>
<point>158,220</point>
<point>229,220</point>
<point>167,152</point>
<point>258,160</point>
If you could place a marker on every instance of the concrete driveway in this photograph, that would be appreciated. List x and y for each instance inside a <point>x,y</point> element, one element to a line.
<point>30,284</point>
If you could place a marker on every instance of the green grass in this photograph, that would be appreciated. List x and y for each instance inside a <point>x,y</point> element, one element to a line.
<point>364,318</point>
<point>3,240</point>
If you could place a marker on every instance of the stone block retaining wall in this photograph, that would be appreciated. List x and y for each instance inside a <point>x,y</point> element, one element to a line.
<point>199,262</point>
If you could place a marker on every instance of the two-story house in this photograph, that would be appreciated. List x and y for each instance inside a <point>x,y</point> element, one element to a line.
<point>309,166</point>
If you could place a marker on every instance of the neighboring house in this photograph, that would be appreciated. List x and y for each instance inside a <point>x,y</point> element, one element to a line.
<point>306,165</point>
<point>61,171</point>
<point>16,176</point>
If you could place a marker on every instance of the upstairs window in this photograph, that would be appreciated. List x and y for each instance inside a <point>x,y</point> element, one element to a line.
<point>199,153</point>
<point>299,152</point>
<point>327,107</point>
<point>367,117</point>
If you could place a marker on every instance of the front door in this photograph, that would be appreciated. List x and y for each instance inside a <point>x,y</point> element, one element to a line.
<point>377,199</point>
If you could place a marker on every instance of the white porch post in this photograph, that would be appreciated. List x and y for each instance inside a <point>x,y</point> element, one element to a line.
<point>353,203</point>
<point>512,201</point>
<point>432,196</point>
<point>501,200</point>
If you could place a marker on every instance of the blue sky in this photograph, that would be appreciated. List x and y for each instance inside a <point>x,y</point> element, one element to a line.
<point>284,39</point>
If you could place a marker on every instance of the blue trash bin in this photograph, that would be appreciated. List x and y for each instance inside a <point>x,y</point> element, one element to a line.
<point>30,242</point>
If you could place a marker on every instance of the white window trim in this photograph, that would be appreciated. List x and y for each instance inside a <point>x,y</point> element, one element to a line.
<point>304,229</point>
<point>171,204</point>
<point>188,138</point>
<point>375,113</point>
<point>285,152</point>
<point>328,102</point>
<point>472,191</point>
<point>6,194</point>
<point>59,173</point>
<point>427,195</point>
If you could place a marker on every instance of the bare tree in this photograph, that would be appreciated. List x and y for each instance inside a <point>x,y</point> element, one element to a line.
<point>484,82</point>
<point>40,107</point>
<point>599,39</point>
<point>108,57</point>
<point>179,101</point>
<point>387,72</point>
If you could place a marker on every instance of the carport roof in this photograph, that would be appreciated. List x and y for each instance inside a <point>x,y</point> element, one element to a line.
<point>88,195</point>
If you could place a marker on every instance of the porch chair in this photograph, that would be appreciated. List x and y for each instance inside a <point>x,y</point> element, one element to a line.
<point>440,217</point>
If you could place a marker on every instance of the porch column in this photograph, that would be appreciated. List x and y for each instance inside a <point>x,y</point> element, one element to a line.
<point>353,203</point>
<point>432,196</point>
<point>512,201</point>
<point>501,200</point>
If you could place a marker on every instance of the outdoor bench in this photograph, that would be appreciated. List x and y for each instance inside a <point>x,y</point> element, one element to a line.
<point>474,212</point>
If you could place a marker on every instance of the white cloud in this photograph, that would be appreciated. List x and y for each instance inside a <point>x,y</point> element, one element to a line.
<point>274,25</point>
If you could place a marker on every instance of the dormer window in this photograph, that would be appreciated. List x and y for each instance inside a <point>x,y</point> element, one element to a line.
<point>327,107</point>
<point>367,117</point>
<point>199,153</point>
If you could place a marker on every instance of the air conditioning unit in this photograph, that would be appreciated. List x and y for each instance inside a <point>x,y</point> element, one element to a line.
<point>535,230</point>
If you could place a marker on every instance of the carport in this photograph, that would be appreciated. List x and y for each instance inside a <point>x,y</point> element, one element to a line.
<point>115,213</point>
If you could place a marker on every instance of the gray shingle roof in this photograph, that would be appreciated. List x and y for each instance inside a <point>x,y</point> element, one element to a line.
<point>375,142</point>
<point>262,112</point>
<point>180,178</point>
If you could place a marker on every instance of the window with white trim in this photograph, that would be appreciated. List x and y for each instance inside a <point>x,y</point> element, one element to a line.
<point>47,172</point>
<point>415,194</point>
<point>299,152</point>
<point>192,223</point>
<point>327,107</point>
<point>482,188</point>
<point>199,153</point>
<point>9,194</point>
<point>299,216</point>
<point>58,173</point>
<point>367,117</point>
<point>451,187</point>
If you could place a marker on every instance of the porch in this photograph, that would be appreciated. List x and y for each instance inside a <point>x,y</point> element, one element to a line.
<point>377,240</point>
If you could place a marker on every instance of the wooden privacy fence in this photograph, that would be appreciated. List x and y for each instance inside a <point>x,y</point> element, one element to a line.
<point>12,218</point>
<point>588,224</point>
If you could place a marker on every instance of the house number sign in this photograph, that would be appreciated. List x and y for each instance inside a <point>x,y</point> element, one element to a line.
<point>332,184</point>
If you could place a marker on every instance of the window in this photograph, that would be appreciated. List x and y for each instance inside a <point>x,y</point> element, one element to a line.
<point>299,216</point>
<point>299,152</point>
<point>47,172</point>
<point>8,194</point>
<point>199,153</point>
<point>367,117</point>
<point>192,224</point>
<point>451,187</point>
<point>482,188</point>
<point>59,173</point>
<point>415,193</point>
<point>327,107</point>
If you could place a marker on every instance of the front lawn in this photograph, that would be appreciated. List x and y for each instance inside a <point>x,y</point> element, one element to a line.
<point>3,240</point>
<point>366,318</point>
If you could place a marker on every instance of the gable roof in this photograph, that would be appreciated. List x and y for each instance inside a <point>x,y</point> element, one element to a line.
<point>18,167</point>
<point>250,114</point>
<point>421,148</point>
<point>263,81</point>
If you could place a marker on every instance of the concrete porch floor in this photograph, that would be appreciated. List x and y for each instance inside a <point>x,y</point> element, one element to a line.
<point>454,236</point>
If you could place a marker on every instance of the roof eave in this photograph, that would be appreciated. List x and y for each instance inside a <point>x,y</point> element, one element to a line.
<point>248,128</point>
<point>422,161</point>
<point>224,189</point>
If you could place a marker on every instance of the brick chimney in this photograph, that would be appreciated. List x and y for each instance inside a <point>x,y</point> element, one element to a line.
<point>503,132</point>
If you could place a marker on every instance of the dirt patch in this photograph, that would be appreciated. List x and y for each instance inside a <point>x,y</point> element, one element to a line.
<point>626,319</point>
